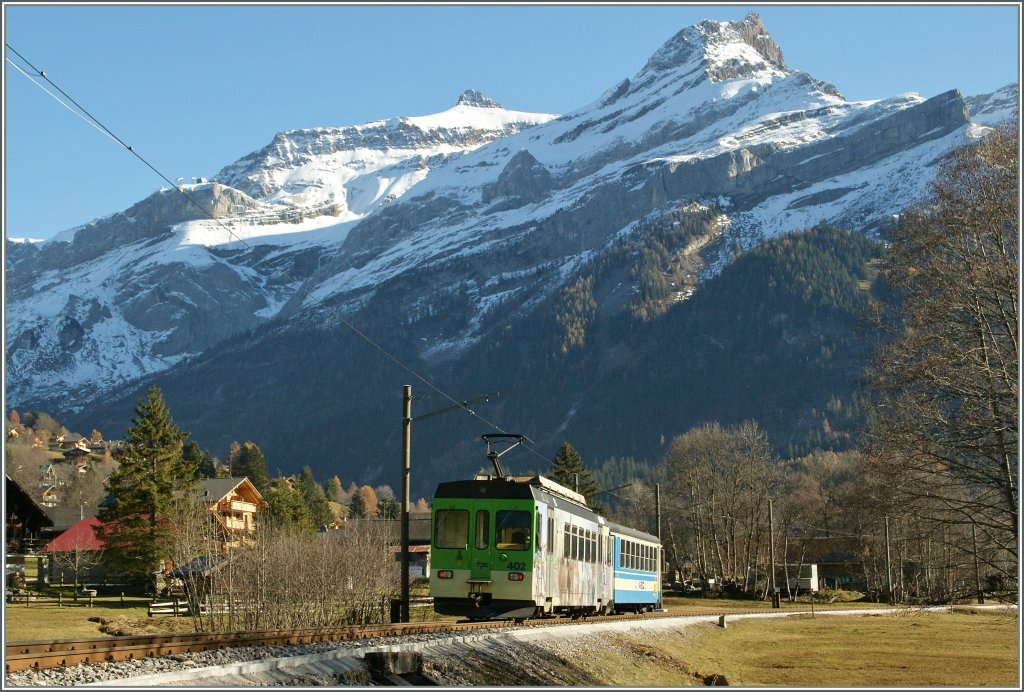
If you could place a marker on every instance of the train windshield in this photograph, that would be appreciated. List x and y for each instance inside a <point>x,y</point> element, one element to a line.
<point>512,529</point>
<point>451,529</point>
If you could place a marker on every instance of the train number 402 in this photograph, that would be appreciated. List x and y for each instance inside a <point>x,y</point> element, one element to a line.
<point>517,565</point>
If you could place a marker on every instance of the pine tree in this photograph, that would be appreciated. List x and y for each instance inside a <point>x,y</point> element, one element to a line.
<point>319,510</point>
<point>567,468</point>
<point>247,460</point>
<point>206,465</point>
<point>151,471</point>
<point>357,506</point>
<point>286,507</point>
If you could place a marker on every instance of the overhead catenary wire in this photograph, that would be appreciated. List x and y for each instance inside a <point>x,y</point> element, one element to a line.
<point>83,113</point>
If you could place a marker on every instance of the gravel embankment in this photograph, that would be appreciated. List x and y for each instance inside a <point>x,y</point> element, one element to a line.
<point>207,665</point>
<point>541,655</point>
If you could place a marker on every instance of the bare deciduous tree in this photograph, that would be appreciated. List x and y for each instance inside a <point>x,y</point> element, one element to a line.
<point>944,427</point>
<point>718,482</point>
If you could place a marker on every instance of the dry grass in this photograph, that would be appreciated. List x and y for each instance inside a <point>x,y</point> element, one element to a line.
<point>107,616</point>
<point>915,648</point>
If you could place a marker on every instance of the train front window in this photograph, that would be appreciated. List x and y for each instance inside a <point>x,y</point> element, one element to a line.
<point>512,529</point>
<point>482,528</point>
<point>451,529</point>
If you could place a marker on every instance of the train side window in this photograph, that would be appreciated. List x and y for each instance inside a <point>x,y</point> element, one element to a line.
<point>512,529</point>
<point>482,528</point>
<point>590,553</point>
<point>551,535</point>
<point>451,529</point>
<point>538,526</point>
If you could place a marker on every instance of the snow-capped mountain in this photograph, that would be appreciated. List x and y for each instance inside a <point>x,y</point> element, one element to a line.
<point>141,290</point>
<point>480,207</point>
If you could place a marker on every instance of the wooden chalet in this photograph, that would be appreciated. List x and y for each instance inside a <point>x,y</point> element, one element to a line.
<point>24,518</point>
<point>233,502</point>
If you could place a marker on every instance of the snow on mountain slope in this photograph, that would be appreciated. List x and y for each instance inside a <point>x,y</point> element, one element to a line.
<point>714,116</point>
<point>164,281</point>
<point>477,206</point>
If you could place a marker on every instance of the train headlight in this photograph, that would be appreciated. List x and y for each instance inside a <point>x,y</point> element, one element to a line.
<point>515,576</point>
<point>444,574</point>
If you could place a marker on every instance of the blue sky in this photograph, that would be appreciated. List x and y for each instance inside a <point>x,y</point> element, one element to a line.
<point>195,87</point>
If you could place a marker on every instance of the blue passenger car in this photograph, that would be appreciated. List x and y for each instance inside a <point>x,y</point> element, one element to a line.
<point>636,569</point>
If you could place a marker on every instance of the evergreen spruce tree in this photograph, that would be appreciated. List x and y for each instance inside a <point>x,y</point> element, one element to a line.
<point>247,460</point>
<point>151,471</point>
<point>286,507</point>
<point>313,494</point>
<point>206,465</point>
<point>357,506</point>
<point>567,468</point>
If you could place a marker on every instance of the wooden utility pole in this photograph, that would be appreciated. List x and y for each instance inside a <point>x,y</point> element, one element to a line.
<point>657,508</point>
<point>977,567</point>
<point>888,562</point>
<point>771,555</point>
<point>661,548</point>
<point>406,452</point>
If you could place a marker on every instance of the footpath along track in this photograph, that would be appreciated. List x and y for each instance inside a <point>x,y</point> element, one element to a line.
<point>40,655</point>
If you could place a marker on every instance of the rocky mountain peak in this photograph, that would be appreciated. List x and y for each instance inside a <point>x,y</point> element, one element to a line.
<point>472,97</point>
<point>721,47</point>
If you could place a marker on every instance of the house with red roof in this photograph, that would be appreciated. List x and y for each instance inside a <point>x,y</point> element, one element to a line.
<point>79,536</point>
<point>76,553</point>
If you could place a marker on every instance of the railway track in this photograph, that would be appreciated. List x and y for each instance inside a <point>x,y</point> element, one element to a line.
<point>39,655</point>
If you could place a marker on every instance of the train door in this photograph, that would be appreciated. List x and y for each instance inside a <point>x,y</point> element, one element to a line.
<point>480,555</point>
<point>501,540</point>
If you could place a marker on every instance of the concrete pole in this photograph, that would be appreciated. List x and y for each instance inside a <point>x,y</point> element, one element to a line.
<point>406,450</point>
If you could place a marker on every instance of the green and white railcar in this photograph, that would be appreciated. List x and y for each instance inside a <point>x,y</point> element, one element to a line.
<point>512,547</point>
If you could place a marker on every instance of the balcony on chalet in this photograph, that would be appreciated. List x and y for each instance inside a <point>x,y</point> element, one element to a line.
<point>236,506</point>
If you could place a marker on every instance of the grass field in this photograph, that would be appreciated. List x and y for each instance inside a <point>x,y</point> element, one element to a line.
<point>913,648</point>
<point>48,621</point>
